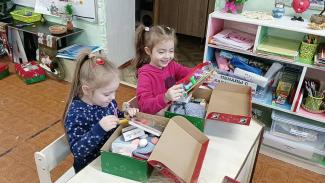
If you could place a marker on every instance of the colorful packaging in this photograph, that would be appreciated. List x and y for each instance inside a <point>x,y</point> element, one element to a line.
<point>30,72</point>
<point>4,70</point>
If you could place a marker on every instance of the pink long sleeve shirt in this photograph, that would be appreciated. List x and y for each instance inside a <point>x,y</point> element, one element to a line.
<point>153,83</point>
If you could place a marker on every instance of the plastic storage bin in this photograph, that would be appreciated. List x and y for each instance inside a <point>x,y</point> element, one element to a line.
<point>296,148</point>
<point>26,15</point>
<point>298,129</point>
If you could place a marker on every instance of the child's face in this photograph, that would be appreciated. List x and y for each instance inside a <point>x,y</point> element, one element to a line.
<point>104,95</point>
<point>162,53</point>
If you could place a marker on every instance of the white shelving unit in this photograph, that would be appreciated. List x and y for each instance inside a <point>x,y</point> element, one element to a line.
<point>260,28</point>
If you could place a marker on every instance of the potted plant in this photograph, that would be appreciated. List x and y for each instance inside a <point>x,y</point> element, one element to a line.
<point>234,6</point>
<point>68,16</point>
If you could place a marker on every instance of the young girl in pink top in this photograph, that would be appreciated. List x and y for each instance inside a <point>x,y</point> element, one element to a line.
<point>157,71</point>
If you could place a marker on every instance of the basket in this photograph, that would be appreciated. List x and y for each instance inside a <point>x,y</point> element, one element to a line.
<point>26,15</point>
<point>307,52</point>
<point>57,29</point>
<point>313,103</point>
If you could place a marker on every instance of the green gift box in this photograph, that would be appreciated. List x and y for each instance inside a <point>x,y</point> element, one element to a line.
<point>181,143</point>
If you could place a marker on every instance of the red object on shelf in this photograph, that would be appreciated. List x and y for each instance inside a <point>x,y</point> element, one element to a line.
<point>300,5</point>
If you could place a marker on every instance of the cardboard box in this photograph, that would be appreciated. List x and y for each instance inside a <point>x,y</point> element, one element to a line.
<point>179,153</point>
<point>227,102</point>
<point>230,103</point>
<point>196,121</point>
<point>30,72</point>
<point>4,70</point>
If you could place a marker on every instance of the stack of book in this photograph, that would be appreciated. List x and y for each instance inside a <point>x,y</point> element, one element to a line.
<point>234,38</point>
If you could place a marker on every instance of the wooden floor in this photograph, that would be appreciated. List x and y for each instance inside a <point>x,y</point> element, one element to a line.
<point>30,120</point>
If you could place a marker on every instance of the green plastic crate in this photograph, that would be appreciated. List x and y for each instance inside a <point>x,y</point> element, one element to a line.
<point>21,15</point>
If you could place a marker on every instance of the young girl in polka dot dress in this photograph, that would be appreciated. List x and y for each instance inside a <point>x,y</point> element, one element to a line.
<point>91,114</point>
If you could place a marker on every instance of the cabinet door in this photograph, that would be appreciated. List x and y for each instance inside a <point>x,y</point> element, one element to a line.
<point>192,17</point>
<point>168,13</point>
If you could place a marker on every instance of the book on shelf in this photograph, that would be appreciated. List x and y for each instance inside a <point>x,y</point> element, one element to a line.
<point>234,38</point>
<point>71,52</point>
<point>282,47</point>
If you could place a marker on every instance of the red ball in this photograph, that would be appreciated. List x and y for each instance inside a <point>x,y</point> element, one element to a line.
<point>300,5</point>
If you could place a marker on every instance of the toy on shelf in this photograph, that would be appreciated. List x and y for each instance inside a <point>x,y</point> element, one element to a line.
<point>196,77</point>
<point>30,72</point>
<point>299,6</point>
<point>278,10</point>
<point>318,20</point>
<point>286,85</point>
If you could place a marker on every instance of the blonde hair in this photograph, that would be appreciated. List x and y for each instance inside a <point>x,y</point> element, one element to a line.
<point>93,70</point>
<point>149,37</point>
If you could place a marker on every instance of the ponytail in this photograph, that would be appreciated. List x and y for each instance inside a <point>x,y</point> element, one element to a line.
<point>149,37</point>
<point>141,57</point>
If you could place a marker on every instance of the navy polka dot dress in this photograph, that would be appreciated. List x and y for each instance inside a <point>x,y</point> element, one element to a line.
<point>85,135</point>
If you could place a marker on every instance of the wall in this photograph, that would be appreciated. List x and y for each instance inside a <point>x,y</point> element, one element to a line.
<point>94,33</point>
<point>265,5</point>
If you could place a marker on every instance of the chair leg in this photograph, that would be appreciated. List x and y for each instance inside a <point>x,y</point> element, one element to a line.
<point>42,168</point>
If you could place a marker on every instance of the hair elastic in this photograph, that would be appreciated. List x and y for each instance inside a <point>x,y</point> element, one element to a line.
<point>147,29</point>
<point>100,61</point>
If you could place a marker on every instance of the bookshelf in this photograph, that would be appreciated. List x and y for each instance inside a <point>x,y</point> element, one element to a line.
<point>284,28</point>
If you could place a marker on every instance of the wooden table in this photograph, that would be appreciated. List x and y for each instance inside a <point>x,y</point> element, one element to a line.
<point>231,152</point>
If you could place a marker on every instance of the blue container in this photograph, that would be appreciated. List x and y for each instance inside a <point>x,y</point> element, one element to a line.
<point>278,12</point>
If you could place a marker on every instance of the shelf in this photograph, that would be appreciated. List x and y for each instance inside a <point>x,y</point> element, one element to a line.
<point>265,56</point>
<point>266,101</point>
<point>38,27</point>
<point>317,117</point>
<point>284,23</point>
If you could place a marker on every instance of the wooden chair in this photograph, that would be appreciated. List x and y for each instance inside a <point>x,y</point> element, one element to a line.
<point>49,157</point>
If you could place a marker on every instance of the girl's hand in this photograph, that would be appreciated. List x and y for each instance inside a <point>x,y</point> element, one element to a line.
<point>132,111</point>
<point>174,93</point>
<point>212,77</point>
<point>108,122</point>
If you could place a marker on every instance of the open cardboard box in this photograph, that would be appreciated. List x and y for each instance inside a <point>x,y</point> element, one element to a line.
<point>230,103</point>
<point>196,121</point>
<point>227,102</point>
<point>179,153</point>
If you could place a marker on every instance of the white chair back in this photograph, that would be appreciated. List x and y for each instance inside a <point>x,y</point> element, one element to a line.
<point>49,157</point>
